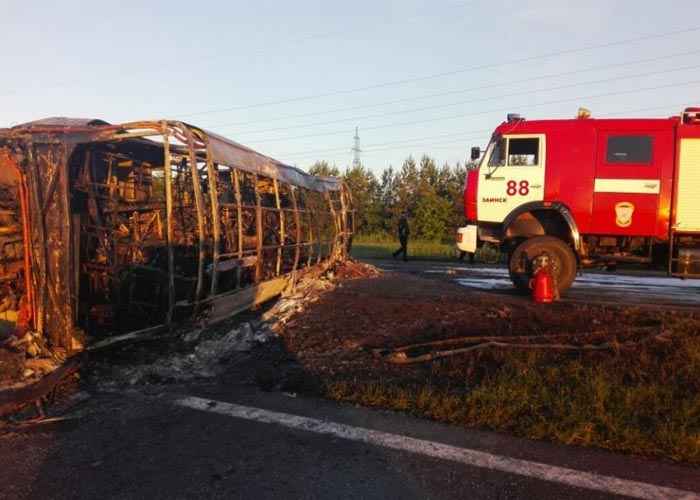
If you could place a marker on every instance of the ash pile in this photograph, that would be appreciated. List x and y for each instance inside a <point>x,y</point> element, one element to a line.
<point>250,348</point>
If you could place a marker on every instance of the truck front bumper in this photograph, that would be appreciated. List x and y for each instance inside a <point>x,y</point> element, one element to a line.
<point>466,238</point>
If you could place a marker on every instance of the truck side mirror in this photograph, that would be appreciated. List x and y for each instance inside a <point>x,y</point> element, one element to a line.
<point>476,153</point>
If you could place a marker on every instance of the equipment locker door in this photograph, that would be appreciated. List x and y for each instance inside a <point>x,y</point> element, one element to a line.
<point>627,182</point>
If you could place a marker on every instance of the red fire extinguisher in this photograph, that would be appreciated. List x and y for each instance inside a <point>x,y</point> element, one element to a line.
<point>542,285</point>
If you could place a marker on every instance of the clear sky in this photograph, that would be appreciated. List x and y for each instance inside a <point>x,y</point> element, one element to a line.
<point>293,79</point>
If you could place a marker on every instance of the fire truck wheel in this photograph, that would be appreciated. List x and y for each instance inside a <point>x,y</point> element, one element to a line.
<point>562,258</point>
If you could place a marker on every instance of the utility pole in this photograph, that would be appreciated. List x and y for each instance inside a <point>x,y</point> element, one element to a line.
<point>356,149</point>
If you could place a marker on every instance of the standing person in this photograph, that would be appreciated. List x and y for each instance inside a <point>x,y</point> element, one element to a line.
<point>403,237</point>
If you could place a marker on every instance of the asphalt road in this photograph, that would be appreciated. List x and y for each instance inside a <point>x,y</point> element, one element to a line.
<point>631,288</point>
<point>136,445</point>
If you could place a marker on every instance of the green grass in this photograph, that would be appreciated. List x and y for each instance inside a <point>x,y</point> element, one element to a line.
<point>646,401</point>
<point>381,246</point>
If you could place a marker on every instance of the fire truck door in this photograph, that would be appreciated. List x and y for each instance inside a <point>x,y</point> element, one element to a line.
<point>513,175</point>
<point>627,182</point>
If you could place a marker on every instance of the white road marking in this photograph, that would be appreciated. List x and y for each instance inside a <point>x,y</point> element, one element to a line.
<point>551,473</point>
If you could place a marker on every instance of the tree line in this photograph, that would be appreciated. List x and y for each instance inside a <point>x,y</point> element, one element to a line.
<point>430,195</point>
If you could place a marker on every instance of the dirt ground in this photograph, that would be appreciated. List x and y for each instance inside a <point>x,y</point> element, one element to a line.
<point>336,337</point>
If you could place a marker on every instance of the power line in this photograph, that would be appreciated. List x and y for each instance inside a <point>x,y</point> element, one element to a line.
<point>405,141</point>
<point>389,146</point>
<point>463,115</point>
<point>472,101</point>
<point>460,134</point>
<point>461,140</point>
<point>462,91</point>
<point>547,55</point>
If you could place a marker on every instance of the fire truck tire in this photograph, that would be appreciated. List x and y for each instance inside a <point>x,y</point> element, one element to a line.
<point>562,258</point>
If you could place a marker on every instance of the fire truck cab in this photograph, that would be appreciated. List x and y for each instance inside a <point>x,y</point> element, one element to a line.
<point>588,192</point>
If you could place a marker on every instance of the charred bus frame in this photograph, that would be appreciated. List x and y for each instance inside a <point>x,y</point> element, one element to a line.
<point>145,224</point>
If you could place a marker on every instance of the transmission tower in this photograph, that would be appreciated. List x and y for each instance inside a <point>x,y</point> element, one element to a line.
<point>356,149</point>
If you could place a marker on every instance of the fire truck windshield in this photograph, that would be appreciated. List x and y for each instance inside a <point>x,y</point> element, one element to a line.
<point>496,154</point>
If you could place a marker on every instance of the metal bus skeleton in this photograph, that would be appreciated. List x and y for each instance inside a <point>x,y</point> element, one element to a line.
<point>116,228</point>
<point>588,192</point>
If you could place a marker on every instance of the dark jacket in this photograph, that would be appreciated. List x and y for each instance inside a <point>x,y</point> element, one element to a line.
<point>403,228</point>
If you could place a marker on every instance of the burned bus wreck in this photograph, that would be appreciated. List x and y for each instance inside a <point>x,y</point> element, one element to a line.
<point>108,229</point>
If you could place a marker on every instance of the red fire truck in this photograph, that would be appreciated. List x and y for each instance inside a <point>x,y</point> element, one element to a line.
<point>588,192</point>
